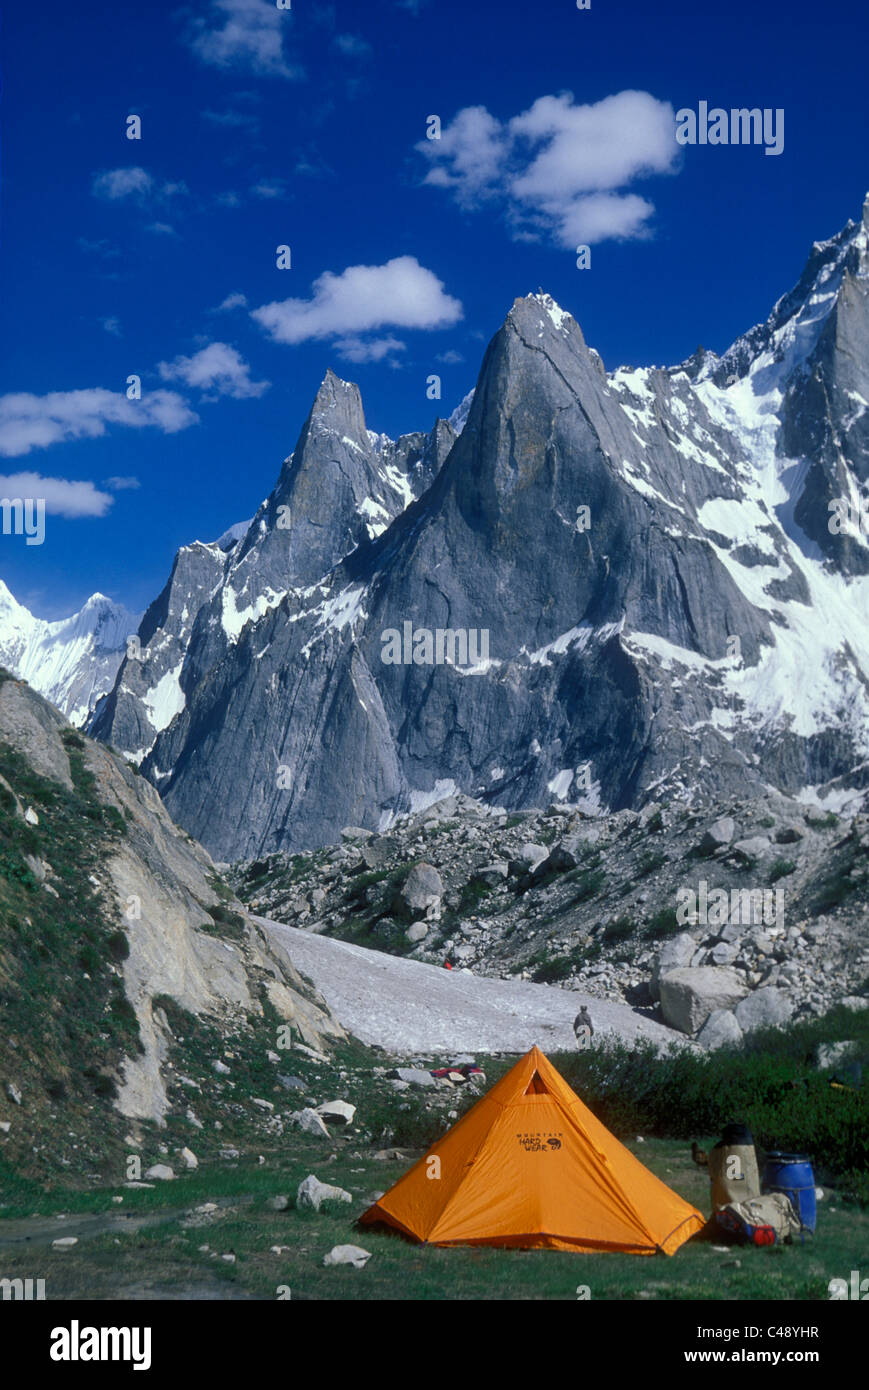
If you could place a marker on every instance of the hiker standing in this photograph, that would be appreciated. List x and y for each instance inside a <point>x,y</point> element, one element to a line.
<point>583,1028</point>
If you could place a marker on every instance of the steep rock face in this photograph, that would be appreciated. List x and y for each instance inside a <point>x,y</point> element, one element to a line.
<point>158,886</point>
<point>628,557</point>
<point>72,662</point>
<point>340,489</point>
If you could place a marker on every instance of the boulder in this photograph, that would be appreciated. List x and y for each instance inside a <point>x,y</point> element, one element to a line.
<point>674,954</point>
<point>160,1172</point>
<point>417,932</point>
<point>312,1194</point>
<point>764,1008</point>
<point>723,953</point>
<point>690,995</point>
<point>310,1122</point>
<point>753,848</point>
<point>491,875</point>
<point>190,1159</point>
<point>292,1083</point>
<point>567,854</point>
<point>337,1112</point>
<point>528,858</point>
<point>420,893</point>
<point>413,1076</point>
<point>831,1054</point>
<point>719,1030</point>
<point>719,834</point>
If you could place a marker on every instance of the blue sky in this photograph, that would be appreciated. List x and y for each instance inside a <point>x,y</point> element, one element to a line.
<point>260,127</point>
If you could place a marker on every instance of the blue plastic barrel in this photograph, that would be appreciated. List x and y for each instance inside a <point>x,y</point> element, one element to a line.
<point>792,1174</point>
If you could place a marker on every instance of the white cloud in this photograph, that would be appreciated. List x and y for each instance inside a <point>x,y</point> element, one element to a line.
<point>559,168</point>
<point>161,229</point>
<point>363,298</point>
<point>34,422</point>
<point>237,300</point>
<point>351,46</point>
<point>216,368</point>
<point>112,325</point>
<point>125,484</point>
<point>61,496</point>
<point>243,34</point>
<point>115,184</point>
<point>372,350</point>
<point>470,156</point>
<point>269,188</point>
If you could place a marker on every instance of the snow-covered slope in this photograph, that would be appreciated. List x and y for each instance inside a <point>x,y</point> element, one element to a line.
<point>71,662</point>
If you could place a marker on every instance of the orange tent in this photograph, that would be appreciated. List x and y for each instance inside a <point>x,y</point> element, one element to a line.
<point>530,1166</point>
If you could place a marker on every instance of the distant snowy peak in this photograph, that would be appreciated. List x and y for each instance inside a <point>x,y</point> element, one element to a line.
<point>71,662</point>
<point>796,320</point>
<point>233,534</point>
<point>459,417</point>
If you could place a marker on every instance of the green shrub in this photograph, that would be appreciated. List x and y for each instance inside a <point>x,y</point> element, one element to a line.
<point>780,868</point>
<point>650,862</point>
<point>619,929</point>
<point>664,923</point>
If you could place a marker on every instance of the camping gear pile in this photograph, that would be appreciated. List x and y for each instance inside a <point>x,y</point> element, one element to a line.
<point>755,1211</point>
<point>459,1075</point>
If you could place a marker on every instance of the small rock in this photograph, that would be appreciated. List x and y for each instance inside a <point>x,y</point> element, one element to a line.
<point>190,1159</point>
<point>347,1255</point>
<point>65,1242</point>
<point>278,1203</point>
<point>160,1172</point>
<point>262,1104</point>
<point>292,1083</point>
<point>220,1067</point>
<point>31,817</point>
<point>13,1093</point>
<point>312,1194</point>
